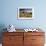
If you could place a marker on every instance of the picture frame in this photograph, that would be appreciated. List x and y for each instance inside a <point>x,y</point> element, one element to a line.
<point>25,13</point>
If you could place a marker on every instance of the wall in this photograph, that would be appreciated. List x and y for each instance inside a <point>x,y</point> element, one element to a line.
<point>8,13</point>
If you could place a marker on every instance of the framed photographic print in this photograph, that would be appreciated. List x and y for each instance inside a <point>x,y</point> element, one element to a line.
<point>25,13</point>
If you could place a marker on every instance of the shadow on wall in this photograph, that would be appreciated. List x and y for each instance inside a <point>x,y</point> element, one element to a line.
<point>2,26</point>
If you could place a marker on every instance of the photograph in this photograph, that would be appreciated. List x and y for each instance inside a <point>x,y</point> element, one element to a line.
<point>25,13</point>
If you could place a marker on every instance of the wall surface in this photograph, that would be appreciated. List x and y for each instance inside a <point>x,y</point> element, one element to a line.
<point>9,13</point>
